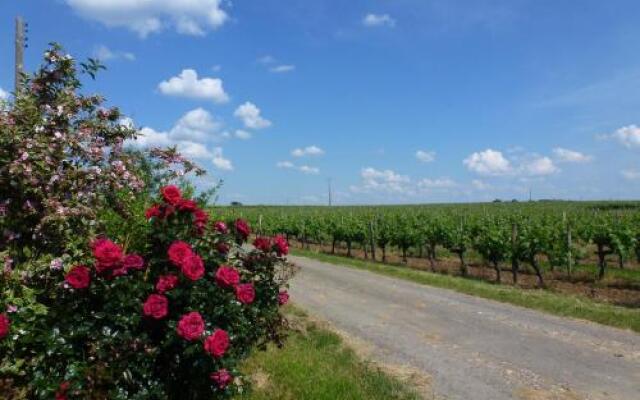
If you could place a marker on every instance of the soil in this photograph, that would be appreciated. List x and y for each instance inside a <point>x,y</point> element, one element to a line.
<point>618,291</point>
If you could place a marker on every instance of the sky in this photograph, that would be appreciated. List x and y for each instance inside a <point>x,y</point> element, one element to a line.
<point>392,101</point>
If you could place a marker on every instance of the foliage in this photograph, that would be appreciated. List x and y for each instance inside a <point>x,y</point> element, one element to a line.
<point>166,319</point>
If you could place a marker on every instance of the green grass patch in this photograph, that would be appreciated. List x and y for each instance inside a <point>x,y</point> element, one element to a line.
<point>315,364</point>
<point>537,299</point>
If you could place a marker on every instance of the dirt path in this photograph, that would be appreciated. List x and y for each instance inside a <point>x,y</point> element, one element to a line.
<point>474,349</point>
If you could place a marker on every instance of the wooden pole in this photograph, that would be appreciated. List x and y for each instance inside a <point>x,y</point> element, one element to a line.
<point>19,61</point>
<point>372,241</point>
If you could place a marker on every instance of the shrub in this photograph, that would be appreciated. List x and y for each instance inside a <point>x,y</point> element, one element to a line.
<point>168,320</point>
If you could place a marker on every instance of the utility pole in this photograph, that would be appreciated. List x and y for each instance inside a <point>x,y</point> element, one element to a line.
<point>329,180</point>
<point>20,40</point>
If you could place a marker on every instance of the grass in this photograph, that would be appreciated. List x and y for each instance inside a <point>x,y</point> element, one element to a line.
<point>316,364</point>
<point>543,300</point>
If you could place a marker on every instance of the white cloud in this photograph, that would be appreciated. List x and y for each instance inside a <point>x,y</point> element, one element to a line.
<point>242,135</point>
<point>631,174</point>
<point>266,59</point>
<point>570,156</point>
<point>540,166</point>
<point>193,150</point>
<point>285,164</point>
<point>302,168</point>
<point>4,95</point>
<point>382,180</point>
<point>189,17</point>
<point>312,150</point>
<point>439,183</point>
<point>426,156</point>
<point>220,162</point>
<point>309,170</point>
<point>103,53</point>
<point>480,185</point>
<point>188,85</point>
<point>149,138</point>
<point>195,125</point>
<point>628,136</point>
<point>488,162</point>
<point>373,20</point>
<point>280,69</point>
<point>250,116</point>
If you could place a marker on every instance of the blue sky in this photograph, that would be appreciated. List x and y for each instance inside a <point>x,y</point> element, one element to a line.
<point>396,101</point>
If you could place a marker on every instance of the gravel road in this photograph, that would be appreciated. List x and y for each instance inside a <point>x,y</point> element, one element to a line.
<point>473,349</point>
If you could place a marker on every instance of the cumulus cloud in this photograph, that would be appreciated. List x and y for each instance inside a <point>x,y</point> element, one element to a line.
<point>281,69</point>
<point>187,84</point>
<point>312,150</point>
<point>103,53</point>
<point>4,95</point>
<point>302,168</point>
<point>219,161</point>
<point>480,185</point>
<point>249,114</point>
<point>570,156</point>
<point>149,138</point>
<point>488,162</point>
<point>631,174</point>
<point>426,156</point>
<point>539,166</point>
<point>375,20</point>
<point>196,125</point>
<point>382,180</point>
<point>628,136</point>
<point>242,135</point>
<point>144,17</point>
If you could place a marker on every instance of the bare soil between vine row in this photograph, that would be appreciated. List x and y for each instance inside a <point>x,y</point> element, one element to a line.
<point>612,290</point>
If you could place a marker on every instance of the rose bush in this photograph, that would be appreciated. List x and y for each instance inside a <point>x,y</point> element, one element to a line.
<point>170,319</point>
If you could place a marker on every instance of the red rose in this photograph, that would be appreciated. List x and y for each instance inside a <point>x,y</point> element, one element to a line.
<point>222,378</point>
<point>242,228</point>
<point>220,227</point>
<point>133,261</point>
<point>171,194</point>
<point>245,293</point>
<point>187,205</point>
<point>193,267</point>
<point>166,283</point>
<point>156,306</point>
<point>217,343</point>
<point>61,393</point>
<point>200,216</point>
<point>283,297</point>
<point>227,276</point>
<point>281,245</point>
<point>5,324</point>
<point>178,252</point>
<point>107,254</point>
<point>262,244</point>
<point>78,277</point>
<point>153,211</point>
<point>191,326</point>
<point>168,211</point>
<point>222,248</point>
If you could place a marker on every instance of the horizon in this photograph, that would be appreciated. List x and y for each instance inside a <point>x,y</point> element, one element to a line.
<point>407,102</point>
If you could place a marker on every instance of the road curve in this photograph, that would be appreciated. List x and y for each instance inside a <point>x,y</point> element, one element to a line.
<point>474,349</point>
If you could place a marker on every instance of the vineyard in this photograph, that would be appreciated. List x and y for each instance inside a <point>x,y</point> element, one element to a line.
<point>589,248</point>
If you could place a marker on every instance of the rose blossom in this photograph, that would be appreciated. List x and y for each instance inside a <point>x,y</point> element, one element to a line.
<point>222,378</point>
<point>156,306</point>
<point>220,227</point>
<point>78,277</point>
<point>191,326</point>
<point>61,393</point>
<point>171,194</point>
<point>242,228</point>
<point>281,245</point>
<point>153,211</point>
<point>217,343</point>
<point>178,251</point>
<point>193,267</point>
<point>222,248</point>
<point>227,276</point>
<point>283,297</point>
<point>245,293</point>
<point>5,324</point>
<point>106,253</point>
<point>187,205</point>
<point>166,283</point>
<point>133,261</point>
<point>262,244</point>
